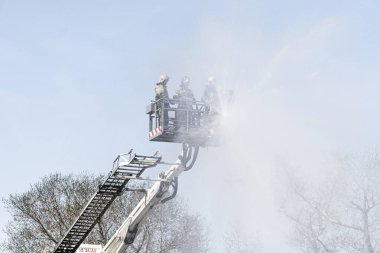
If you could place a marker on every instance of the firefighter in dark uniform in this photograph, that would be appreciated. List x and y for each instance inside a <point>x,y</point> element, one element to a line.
<point>162,99</point>
<point>185,101</point>
<point>213,107</point>
<point>211,97</point>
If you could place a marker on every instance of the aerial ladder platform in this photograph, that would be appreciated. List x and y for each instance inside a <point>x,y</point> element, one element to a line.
<point>169,121</point>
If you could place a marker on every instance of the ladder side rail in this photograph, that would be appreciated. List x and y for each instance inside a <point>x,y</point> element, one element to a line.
<point>87,207</point>
<point>86,214</point>
<point>83,235</point>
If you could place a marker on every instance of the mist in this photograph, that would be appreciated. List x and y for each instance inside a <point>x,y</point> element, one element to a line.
<point>301,101</point>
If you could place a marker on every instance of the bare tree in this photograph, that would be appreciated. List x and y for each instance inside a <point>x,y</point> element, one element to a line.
<point>238,241</point>
<point>42,215</point>
<point>342,214</point>
<point>185,234</point>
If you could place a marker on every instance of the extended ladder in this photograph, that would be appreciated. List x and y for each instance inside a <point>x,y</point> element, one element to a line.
<point>125,167</point>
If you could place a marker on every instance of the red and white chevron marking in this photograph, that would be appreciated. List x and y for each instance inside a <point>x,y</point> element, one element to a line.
<point>155,131</point>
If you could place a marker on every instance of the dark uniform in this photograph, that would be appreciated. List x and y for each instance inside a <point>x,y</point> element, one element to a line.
<point>213,106</point>
<point>185,101</point>
<point>211,99</point>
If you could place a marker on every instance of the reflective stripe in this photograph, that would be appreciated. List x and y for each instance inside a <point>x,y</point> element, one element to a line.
<point>155,131</point>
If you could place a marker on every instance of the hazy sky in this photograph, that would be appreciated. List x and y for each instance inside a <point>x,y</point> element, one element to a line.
<point>76,76</point>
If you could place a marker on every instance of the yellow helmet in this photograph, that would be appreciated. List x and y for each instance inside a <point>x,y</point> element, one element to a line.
<point>164,78</point>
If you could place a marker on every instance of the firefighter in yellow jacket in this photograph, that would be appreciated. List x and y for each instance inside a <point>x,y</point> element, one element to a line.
<point>162,99</point>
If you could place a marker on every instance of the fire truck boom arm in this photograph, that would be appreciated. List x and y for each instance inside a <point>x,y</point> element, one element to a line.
<point>125,235</point>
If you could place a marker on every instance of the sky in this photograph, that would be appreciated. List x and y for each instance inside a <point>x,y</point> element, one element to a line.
<point>76,76</point>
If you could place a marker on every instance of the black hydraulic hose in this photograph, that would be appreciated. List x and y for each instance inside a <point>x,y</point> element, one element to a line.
<point>175,189</point>
<point>188,155</point>
<point>188,167</point>
<point>131,235</point>
<point>185,151</point>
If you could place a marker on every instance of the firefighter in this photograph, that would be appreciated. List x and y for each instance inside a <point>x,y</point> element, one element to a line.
<point>213,107</point>
<point>161,89</point>
<point>185,101</point>
<point>184,94</point>
<point>162,99</point>
<point>211,97</point>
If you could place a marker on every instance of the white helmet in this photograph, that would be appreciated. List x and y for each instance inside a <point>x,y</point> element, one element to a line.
<point>211,81</point>
<point>164,78</point>
<point>185,81</point>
